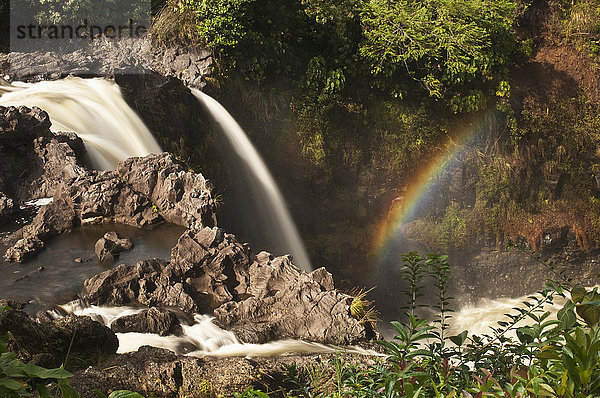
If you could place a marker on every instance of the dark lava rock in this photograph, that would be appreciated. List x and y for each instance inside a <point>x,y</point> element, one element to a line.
<point>259,297</point>
<point>214,263</point>
<point>149,282</point>
<point>285,303</point>
<point>47,343</point>
<point>154,320</point>
<point>19,126</point>
<point>158,372</point>
<point>33,160</point>
<point>7,207</point>
<point>144,191</point>
<point>182,197</point>
<point>23,249</point>
<point>110,245</point>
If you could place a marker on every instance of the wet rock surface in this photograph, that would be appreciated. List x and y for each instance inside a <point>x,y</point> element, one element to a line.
<point>259,297</point>
<point>153,320</point>
<point>110,245</point>
<point>144,191</point>
<point>46,343</point>
<point>33,160</point>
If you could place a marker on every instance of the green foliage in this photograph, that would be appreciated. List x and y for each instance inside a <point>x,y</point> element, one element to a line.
<point>550,357</point>
<point>453,48</point>
<point>76,11</point>
<point>251,393</point>
<point>16,377</point>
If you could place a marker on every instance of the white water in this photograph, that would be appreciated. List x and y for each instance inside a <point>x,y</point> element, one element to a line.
<point>479,318</point>
<point>94,109</point>
<point>202,338</point>
<point>279,218</point>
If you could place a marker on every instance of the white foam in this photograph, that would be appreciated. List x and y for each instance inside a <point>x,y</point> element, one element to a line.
<point>202,338</point>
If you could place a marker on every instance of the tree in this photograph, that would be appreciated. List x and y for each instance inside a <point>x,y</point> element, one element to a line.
<point>457,49</point>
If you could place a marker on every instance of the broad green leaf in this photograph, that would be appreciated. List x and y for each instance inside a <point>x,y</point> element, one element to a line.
<point>459,339</point>
<point>66,389</point>
<point>577,294</point>
<point>589,313</point>
<point>12,384</point>
<point>43,373</point>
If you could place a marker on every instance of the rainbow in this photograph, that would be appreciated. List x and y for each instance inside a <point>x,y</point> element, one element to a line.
<point>417,189</point>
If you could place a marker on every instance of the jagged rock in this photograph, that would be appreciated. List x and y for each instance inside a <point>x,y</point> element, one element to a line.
<point>147,191</point>
<point>149,282</point>
<point>57,163</point>
<point>286,302</point>
<point>110,245</point>
<point>260,297</point>
<point>159,372</point>
<point>19,126</point>
<point>33,160</point>
<point>23,249</point>
<point>152,320</point>
<point>214,263</point>
<point>47,343</point>
<point>51,220</point>
<point>181,197</point>
<point>7,207</point>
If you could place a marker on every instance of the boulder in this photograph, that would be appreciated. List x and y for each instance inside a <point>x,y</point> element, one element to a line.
<point>286,302</point>
<point>23,249</point>
<point>47,343</point>
<point>7,207</point>
<point>110,245</point>
<point>149,283</point>
<point>153,320</point>
<point>19,126</point>
<point>34,160</point>
<point>214,263</point>
<point>180,196</point>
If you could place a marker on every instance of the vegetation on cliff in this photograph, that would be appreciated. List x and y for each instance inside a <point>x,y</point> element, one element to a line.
<point>369,91</point>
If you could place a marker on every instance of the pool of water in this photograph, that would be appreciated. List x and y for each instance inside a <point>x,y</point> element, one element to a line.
<point>54,277</point>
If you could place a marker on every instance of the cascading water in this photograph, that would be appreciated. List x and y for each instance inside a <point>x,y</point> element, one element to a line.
<point>92,108</point>
<point>200,337</point>
<point>276,215</point>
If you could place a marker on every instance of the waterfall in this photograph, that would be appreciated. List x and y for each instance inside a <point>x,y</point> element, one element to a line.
<point>277,218</point>
<point>92,108</point>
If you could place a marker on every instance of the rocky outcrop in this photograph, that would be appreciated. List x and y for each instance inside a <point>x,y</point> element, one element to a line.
<point>182,197</point>
<point>153,320</point>
<point>285,302</point>
<point>144,191</point>
<point>259,297</point>
<point>108,58</point>
<point>158,372</point>
<point>110,245</point>
<point>33,160</point>
<point>47,343</point>
<point>150,283</point>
